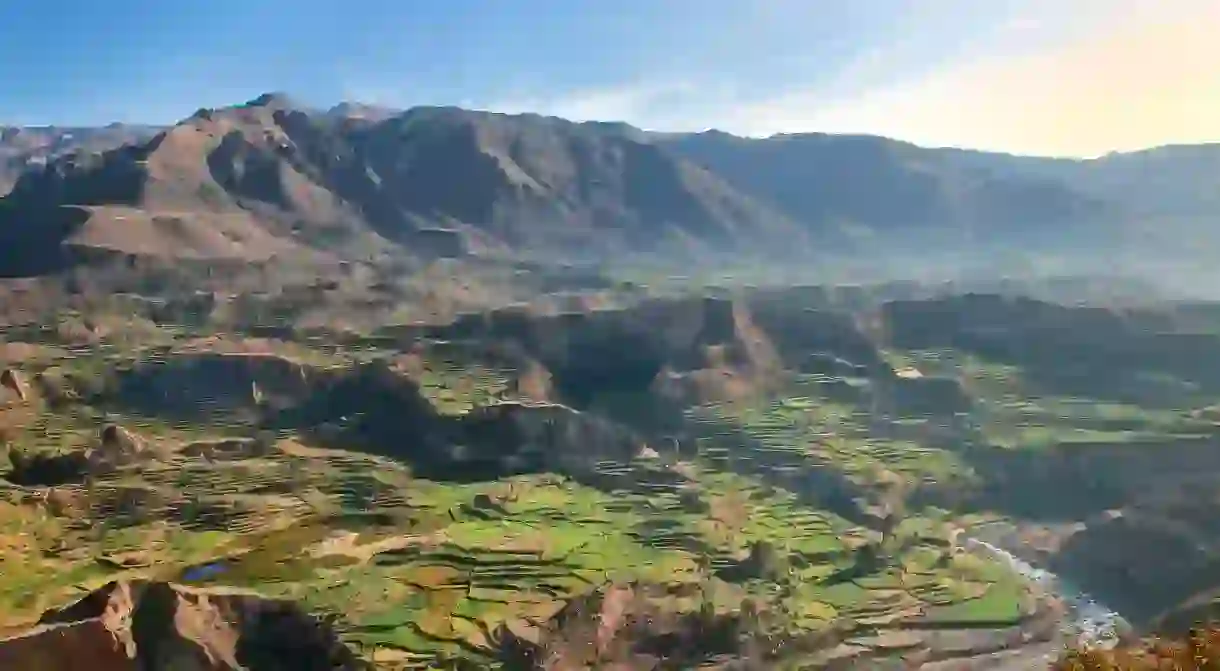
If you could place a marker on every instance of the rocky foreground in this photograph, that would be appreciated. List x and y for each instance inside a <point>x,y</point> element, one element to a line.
<point>154,625</point>
<point>149,625</point>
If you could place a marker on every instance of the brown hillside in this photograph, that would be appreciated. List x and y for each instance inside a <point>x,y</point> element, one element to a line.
<point>215,186</point>
<point>534,181</point>
<point>268,178</point>
<point>431,177</point>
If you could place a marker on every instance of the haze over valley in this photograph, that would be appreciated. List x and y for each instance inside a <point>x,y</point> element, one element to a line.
<point>281,176</point>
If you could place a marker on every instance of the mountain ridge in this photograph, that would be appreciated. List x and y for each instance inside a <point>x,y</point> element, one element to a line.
<point>271,178</point>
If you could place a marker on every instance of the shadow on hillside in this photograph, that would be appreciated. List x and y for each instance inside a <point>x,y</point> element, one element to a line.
<point>815,486</point>
<point>32,241</point>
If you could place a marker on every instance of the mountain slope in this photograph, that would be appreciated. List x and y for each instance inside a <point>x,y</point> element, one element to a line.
<point>868,187</point>
<point>271,179</point>
<point>535,182</point>
<point>1173,180</point>
<point>212,187</point>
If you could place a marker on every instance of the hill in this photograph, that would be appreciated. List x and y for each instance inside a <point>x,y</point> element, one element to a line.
<point>866,189</point>
<point>213,186</point>
<point>269,178</point>
<point>272,179</point>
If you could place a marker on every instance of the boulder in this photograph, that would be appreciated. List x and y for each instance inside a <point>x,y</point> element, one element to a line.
<point>13,381</point>
<point>117,446</point>
<point>532,381</point>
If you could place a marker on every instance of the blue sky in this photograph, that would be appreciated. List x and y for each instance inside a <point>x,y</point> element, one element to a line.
<point>987,73</point>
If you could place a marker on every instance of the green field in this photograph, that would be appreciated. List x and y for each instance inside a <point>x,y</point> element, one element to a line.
<point>420,571</point>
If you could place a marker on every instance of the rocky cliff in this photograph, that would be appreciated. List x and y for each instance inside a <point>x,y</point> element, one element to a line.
<point>154,626</point>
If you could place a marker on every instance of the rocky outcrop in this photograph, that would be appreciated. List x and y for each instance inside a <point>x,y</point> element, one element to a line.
<point>628,627</point>
<point>153,626</point>
<point>654,627</point>
<point>996,321</point>
<point>1065,350</point>
<point>57,387</point>
<point>375,406</point>
<point>805,335</point>
<point>197,383</point>
<point>920,396</point>
<point>117,446</point>
<point>710,345</point>
<point>378,407</point>
<point>525,437</point>
<point>13,384</point>
<point>1142,563</point>
<point>1089,478</point>
<point>16,407</point>
<point>532,381</point>
<point>65,502</point>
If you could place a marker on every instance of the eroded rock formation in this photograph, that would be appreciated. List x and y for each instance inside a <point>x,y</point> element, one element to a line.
<point>156,626</point>
<point>197,383</point>
<point>537,437</point>
<point>629,627</point>
<point>699,348</point>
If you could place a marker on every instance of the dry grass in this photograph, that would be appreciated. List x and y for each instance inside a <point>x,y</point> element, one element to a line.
<point>189,234</point>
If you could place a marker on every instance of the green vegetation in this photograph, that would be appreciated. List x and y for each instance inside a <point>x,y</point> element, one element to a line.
<point>455,388</point>
<point>803,432</point>
<point>1013,412</point>
<point>821,501</point>
<point>420,571</point>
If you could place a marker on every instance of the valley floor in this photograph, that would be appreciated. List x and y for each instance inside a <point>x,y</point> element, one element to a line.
<point>444,504</point>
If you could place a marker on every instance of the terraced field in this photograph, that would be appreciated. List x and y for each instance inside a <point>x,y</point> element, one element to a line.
<point>1017,412</point>
<point>791,435</point>
<point>456,387</point>
<point>420,573</point>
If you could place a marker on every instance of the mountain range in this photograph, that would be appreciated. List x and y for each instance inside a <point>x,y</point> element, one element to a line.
<point>273,179</point>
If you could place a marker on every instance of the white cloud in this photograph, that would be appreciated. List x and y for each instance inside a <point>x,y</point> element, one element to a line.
<point>660,106</point>
<point>1069,78</point>
<point>624,101</point>
<point>1150,76</point>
